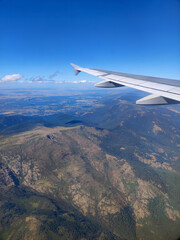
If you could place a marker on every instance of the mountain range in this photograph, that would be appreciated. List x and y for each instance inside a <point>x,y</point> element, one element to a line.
<point>107,171</point>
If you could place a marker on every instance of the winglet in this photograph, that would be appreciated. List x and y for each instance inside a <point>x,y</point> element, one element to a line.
<point>77,68</point>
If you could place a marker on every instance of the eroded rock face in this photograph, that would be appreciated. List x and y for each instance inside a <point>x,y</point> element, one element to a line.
<point>7,177</point>
<point>153,161</point>
<point>70,165</point>
<point>25,169</point>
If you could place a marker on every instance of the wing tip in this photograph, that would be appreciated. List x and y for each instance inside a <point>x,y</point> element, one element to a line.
<point>76,68</point>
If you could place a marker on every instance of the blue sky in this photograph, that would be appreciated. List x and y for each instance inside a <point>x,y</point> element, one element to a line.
<point>40,38</point>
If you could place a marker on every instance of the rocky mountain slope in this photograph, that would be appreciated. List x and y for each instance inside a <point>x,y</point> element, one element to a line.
<point>117,178</point>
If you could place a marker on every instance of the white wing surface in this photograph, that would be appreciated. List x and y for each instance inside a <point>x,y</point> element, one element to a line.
<point>163,90</point>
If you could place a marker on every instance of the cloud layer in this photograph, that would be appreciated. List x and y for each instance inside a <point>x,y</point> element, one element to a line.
<point>11,77</point>
<point>40,79</point>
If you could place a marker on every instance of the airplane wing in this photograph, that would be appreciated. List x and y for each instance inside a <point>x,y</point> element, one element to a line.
<point>163,90</point>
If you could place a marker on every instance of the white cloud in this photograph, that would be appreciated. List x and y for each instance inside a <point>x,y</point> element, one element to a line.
<point>59,82</point>
<point>72,82</point>
<point>81,82</point>
<point>37,79</point>
<point>11,77</point>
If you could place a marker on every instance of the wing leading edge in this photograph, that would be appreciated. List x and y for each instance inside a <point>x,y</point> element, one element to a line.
<point>163,90</point>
